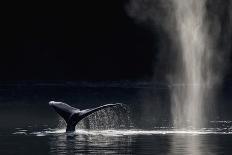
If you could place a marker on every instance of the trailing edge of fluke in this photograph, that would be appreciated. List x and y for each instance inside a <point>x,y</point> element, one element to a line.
<point>73,115</point>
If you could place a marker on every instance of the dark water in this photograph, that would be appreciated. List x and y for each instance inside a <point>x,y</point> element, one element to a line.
<point>30,126</point>
<point>116,142</point>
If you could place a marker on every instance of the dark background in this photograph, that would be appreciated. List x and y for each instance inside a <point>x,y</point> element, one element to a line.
<point>82,41</point>
<point>87,40</point>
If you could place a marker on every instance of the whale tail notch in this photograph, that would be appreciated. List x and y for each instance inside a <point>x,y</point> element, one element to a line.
<point>73,115</point>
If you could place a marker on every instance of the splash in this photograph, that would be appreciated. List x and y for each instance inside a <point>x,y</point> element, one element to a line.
<point>130,132</point>
<point>109,118</point>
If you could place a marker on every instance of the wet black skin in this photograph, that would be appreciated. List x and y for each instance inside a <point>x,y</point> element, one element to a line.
<point>73,115</point>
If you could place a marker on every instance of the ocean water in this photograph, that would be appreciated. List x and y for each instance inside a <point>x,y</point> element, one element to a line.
<point>30,126</point>
<point>134,141</point>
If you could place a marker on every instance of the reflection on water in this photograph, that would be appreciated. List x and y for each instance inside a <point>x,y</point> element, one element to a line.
<point>192,144</point>
<point>162,140</point>
<point>134,141</point>
<point>68,144</point>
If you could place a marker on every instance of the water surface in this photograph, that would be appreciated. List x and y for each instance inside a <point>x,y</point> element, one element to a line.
<point>30,126</point>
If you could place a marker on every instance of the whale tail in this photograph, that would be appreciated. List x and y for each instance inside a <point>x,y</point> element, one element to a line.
<point>73,115</point>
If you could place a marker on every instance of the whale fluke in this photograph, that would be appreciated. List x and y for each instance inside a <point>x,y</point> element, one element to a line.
<point>73,115</point>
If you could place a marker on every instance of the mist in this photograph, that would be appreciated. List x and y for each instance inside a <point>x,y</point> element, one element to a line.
<point>193,53</point>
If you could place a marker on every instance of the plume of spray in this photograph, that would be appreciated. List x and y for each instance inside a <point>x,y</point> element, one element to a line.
<point>195,50</point>
<point>194,76</point>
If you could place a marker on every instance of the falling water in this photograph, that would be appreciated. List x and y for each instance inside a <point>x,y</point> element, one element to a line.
<point>194,70</point>
<point>109,118</point>
<point>105,119</point>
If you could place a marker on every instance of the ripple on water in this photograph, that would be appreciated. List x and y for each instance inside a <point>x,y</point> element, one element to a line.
<point>131,132</point>
<point>19,133</point>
